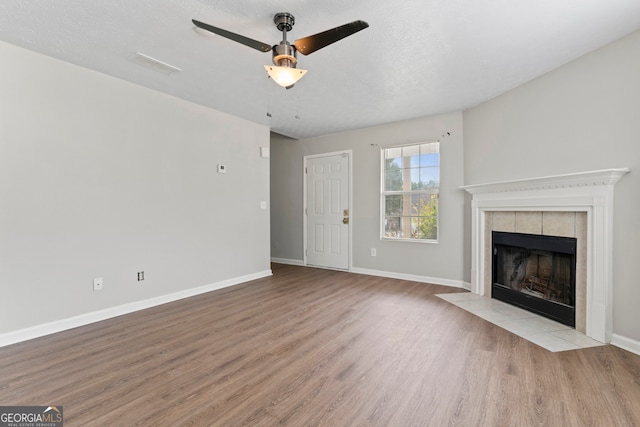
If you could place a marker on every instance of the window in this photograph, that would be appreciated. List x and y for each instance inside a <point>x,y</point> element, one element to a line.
<point>410,188</point>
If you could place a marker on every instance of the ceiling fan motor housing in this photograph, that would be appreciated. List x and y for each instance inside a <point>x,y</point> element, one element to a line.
<point>285,55</point>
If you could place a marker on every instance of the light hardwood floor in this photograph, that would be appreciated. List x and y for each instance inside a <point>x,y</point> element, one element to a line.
<point>313,347</point>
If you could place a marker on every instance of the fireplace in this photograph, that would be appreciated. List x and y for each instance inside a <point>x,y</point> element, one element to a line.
<point>536,272</point>
<point>589,193</point>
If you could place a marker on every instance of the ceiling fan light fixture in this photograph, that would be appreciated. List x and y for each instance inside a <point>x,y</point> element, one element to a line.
<point>285,76</point>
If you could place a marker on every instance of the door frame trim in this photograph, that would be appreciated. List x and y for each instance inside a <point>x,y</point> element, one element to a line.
<point>349,153</point>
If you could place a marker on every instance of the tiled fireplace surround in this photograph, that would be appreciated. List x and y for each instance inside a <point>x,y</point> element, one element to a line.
<point>576,205</point>
<point>550,223</point>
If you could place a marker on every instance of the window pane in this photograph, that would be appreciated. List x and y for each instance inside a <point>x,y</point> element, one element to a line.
<point>418,201</point>
<point>394,163</point>
<point>427,226</point>
<point>430,148</point>
<point>430,159</point>
<point>393,205</point>
<point>392,227</point>
<point>415,227</point>
<point>393,158</point>
<point>393,179</point>
<point>414,173</point>
<point>429,177</point>
<point>407,204</point>
<point>410,150</point>
<point>392,153</point>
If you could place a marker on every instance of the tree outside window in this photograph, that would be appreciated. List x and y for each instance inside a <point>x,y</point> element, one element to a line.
<point>410,188</point>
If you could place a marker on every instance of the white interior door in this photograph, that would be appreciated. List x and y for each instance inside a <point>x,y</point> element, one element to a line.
<point>327,211</point>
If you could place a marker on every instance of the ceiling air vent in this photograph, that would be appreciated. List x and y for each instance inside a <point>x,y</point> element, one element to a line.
<point>154,64</point>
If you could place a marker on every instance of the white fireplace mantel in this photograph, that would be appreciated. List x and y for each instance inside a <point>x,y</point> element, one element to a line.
<point>590,192</point>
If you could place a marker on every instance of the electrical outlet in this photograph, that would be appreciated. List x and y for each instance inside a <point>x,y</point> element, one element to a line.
<point>97,284</point>
<point>373,251</point>
<point>140,276</point>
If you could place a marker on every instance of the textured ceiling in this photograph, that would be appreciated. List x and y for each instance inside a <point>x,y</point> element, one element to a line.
<point>418,58</point>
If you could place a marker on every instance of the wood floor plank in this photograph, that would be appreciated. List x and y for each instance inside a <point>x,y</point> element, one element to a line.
<point>312,347</point>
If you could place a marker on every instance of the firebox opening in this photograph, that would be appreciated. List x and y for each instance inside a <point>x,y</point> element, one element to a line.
<point>536,272</point>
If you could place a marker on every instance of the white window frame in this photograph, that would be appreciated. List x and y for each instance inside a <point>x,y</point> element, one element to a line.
<point>384,193</point>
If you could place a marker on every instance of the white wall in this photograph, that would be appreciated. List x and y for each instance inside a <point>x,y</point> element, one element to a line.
<point>286,198</point>
<point>444,260</point>
<point>102,178</point>
<point>583,116</point>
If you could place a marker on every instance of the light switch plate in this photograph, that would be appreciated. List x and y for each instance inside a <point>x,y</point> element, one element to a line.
<point>222,169</point>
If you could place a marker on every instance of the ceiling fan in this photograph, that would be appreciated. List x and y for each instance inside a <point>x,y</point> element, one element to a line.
<point>285,59</point>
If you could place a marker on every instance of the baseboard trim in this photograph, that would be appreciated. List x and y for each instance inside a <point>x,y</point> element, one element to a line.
<point>32,332</point>
<point>412,277</point>
<point>626,343</point>
<point>288,261</point>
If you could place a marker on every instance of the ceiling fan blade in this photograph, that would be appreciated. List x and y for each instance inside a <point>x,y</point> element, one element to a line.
<point>262,47</point>
<point>312,43</point>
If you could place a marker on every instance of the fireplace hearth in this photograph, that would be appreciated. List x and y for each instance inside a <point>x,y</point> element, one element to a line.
<point>536,272</point>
